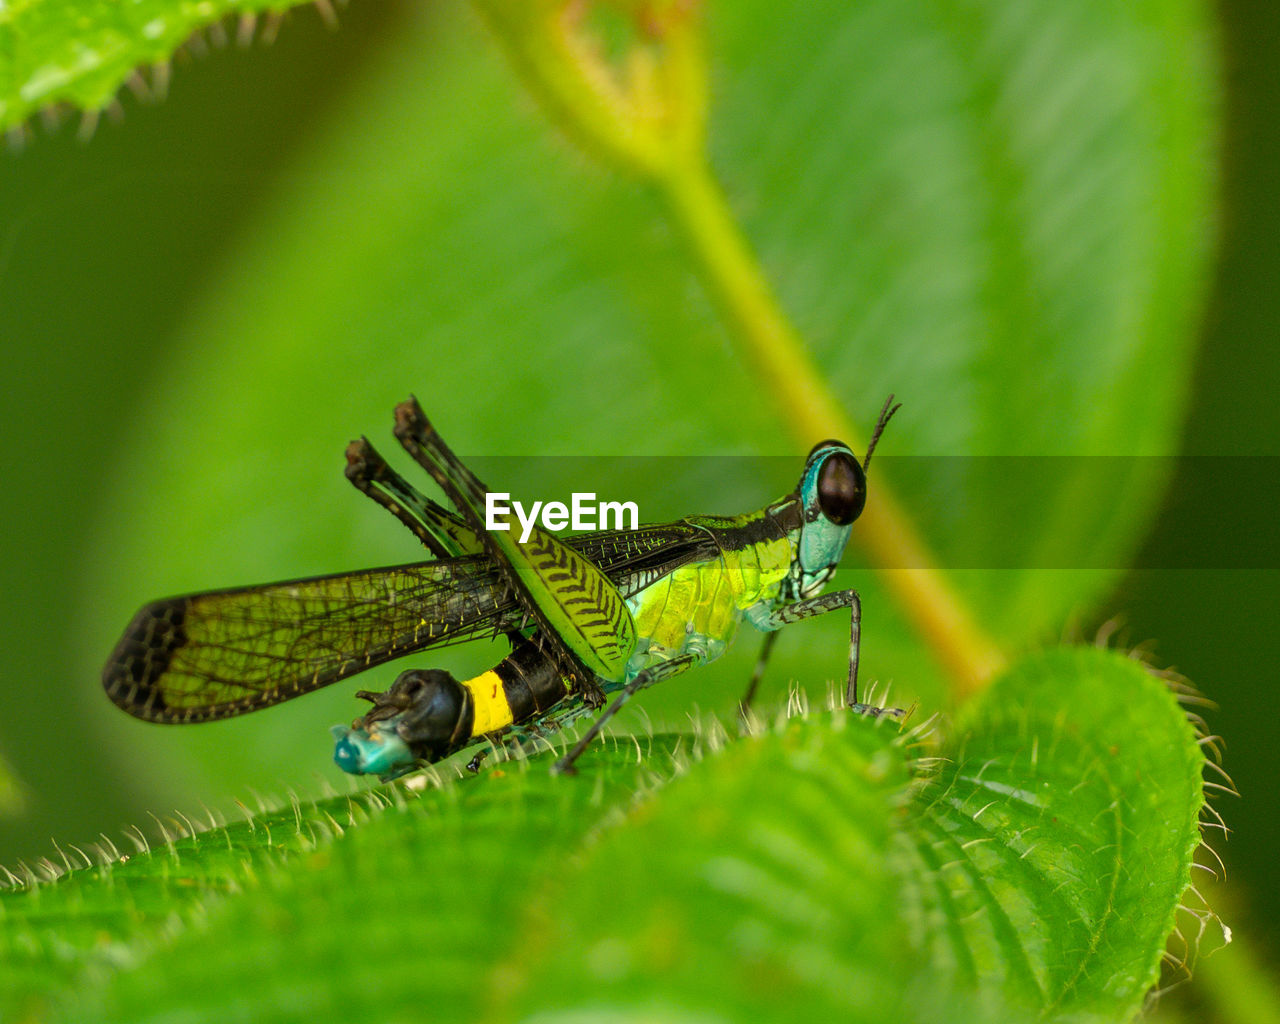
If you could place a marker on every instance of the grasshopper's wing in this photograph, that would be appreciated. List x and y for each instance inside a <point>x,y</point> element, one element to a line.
<point>633,559</point>
<point>580,612</point>
<point>227,652</point>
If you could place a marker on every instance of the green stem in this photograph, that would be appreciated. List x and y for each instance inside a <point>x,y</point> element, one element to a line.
<point>787,371</point>
<point>647,115</point>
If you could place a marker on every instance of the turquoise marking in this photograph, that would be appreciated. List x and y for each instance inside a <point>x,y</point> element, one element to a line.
<point>821,541</point>
<point>382,752</point>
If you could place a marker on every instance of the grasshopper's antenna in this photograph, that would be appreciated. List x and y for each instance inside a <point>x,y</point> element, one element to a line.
<point>885,415</point>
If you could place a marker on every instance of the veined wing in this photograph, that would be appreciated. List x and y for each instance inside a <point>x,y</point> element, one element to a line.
<point>633,559</point>
<point>224,653</point>
<point>227,652</point>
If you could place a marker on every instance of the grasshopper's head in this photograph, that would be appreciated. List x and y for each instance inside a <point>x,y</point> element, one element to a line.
<point>833,491</point>
<point>832,494</point>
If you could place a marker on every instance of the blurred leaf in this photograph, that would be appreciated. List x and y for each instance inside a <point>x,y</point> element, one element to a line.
<point>12,792</point>
<point>999,213</point>
<point>80,52</point>
<point>801,874</point>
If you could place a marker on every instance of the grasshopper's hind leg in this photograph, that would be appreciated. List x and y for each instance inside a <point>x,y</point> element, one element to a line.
<point>444,534</point>
<point>584,620</point>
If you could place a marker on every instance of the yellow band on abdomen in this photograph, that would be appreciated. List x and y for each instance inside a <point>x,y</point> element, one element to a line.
<point>492,709</point>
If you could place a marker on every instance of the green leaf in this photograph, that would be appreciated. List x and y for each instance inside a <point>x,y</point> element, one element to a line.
<point>799,876</point>
<point>13,794</point>
<point>80,52</point>
<point>1001,217</point>
<point>998,212</point>
<point>1028,867</point>
<point>1065,823</point>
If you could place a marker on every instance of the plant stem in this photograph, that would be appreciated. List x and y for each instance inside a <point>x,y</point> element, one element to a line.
<point>787,371</point>
<point>647,115</point>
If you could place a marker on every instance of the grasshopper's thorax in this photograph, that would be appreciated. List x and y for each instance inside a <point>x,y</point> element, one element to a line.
<point>757,550</point>
<point>696,609</point>
<point>781,554</point>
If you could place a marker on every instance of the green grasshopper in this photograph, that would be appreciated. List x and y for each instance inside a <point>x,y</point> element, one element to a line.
<point>598,613</point>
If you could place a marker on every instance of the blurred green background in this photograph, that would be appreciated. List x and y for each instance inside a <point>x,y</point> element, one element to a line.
<point>156,444</point>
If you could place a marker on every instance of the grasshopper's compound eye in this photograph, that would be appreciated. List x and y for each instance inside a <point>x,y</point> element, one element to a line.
<point>842,488</point>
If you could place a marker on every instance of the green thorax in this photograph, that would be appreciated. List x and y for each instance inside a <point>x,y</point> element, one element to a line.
<point>697,608</point>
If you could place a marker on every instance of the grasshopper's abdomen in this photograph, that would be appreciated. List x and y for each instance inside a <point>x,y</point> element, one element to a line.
<point>524,684</point>
<point>427,714</point>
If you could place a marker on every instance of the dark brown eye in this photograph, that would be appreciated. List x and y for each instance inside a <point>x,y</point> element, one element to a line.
<point>830,442</point>
<point>842,488</point>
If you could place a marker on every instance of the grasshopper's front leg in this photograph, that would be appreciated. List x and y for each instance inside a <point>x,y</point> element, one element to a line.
<point>812,606</point>
<point>807,609</point>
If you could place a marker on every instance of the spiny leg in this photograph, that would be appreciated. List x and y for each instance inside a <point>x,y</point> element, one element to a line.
<point>582,616</point>
<point>444,534</point>
<point>766,649</point>
<point>807,609</point>
<point>645,679</point>
<point>524,739</point>
<point>812,606</point>
<point>428,449</point>
<point>465,490</point>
